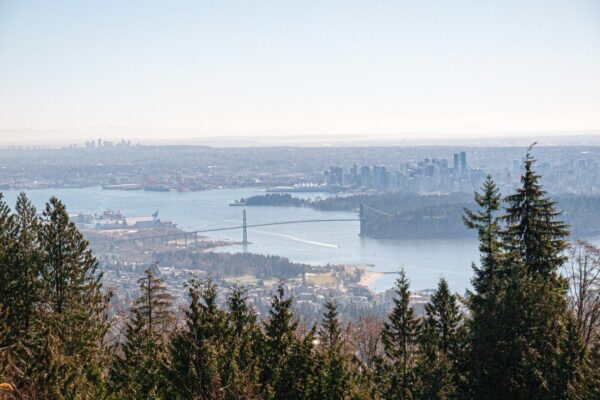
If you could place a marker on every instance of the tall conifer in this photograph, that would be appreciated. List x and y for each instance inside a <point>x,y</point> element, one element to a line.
<point>439,337</point>
<point>279,331</point>
<point>243,365</point>
<point>136,371</point>
<point>197,350</point>
<point>334,372</point>
<point>399,336</point>
<point>488,284</point>
<point>66,351</point>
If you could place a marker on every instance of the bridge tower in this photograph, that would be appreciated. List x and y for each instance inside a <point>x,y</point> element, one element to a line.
<point>361,216</point>
<point>244,229</point>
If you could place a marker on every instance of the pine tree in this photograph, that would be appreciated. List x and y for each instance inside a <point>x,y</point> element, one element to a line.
<point>534,306</point>
<point>66,352</point>
<point>20,276</point>
<point>570,379</point>
<point>6,374</point>
<point>486,223</point>
<point>8,296</point>
<point>334,372</point>
<point>396,373</point>
<point>534,232</point>
<point>197,352</point>
<point>154,305</point>
<point>519,310</point>
<point>489,284</point>
<point>439,335</point>
<point>243,365</point>
<point>279,331</point>
<point>136,372</point>
<point>299,374</point>
<point>590,385</point>
<point>26,262</point>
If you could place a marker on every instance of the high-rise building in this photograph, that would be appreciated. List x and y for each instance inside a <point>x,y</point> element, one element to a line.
<point>463,161</point>
<point>336,176</point>
<point>380,177</point>
<point>354,177</point>
<point>365,175</point>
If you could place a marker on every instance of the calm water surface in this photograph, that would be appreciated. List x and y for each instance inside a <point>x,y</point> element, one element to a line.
<point>425,261</point>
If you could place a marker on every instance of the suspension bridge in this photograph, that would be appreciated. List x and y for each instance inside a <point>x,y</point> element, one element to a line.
<point>193,235</point>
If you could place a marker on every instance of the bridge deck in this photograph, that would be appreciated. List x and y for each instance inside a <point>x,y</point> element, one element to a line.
<point>173,235</point>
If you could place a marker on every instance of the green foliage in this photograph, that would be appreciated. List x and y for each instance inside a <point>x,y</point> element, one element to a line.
<point>298,377</point>
<point>197,350</point>
<point>484,302</point>
<point>137,369</point>
<point>439,336</point>
<point>243,372</point>
<point>279,332</point>
<point>533,231</point>
<point>520,344</point>
<point>55,307</point>
<point>334,366</point>
<point>399,336</point>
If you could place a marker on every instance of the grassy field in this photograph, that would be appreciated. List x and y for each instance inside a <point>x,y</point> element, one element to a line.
<point>242,279</point>
<point>325,278</point>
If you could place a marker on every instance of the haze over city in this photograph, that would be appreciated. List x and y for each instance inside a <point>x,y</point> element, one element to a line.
<point>152,70</point>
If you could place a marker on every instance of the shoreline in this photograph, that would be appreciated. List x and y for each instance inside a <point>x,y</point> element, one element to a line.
<point>369,277</point>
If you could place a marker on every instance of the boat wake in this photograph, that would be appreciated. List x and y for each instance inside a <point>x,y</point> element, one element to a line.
<point>297,239</point>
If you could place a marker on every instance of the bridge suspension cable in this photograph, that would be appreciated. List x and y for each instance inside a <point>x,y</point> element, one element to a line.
<point>173,235</point>
<point>377,211</point>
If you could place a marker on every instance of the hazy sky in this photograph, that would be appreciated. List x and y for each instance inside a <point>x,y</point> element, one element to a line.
<point>301,67</point>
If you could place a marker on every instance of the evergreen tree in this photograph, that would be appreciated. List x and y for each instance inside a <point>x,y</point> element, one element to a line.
<point>399,336</point>
<point>299,375</point>
<point>590,384</point>
<point>154,305</point>
<point>6,374</point>
<point>279,331</point>
<point>20,276</point>
<point>570,379</point>
<point>8,297</point>
<point>334,371</point>
<point>66,352</point>
<point>488,284</point>
<point>534,306</point>
<point>136,372</point>
<point>198,350</point>
<point>519,310</point>
<point>486,223</point>
<point>534,234</point>
<point>25,263</point>
<point>439,346</point>
<point>243,365</point>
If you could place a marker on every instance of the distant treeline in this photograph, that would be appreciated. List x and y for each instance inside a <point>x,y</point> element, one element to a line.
<point>274,199</point>
<point>414,216</point>
<point>223,265</point>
